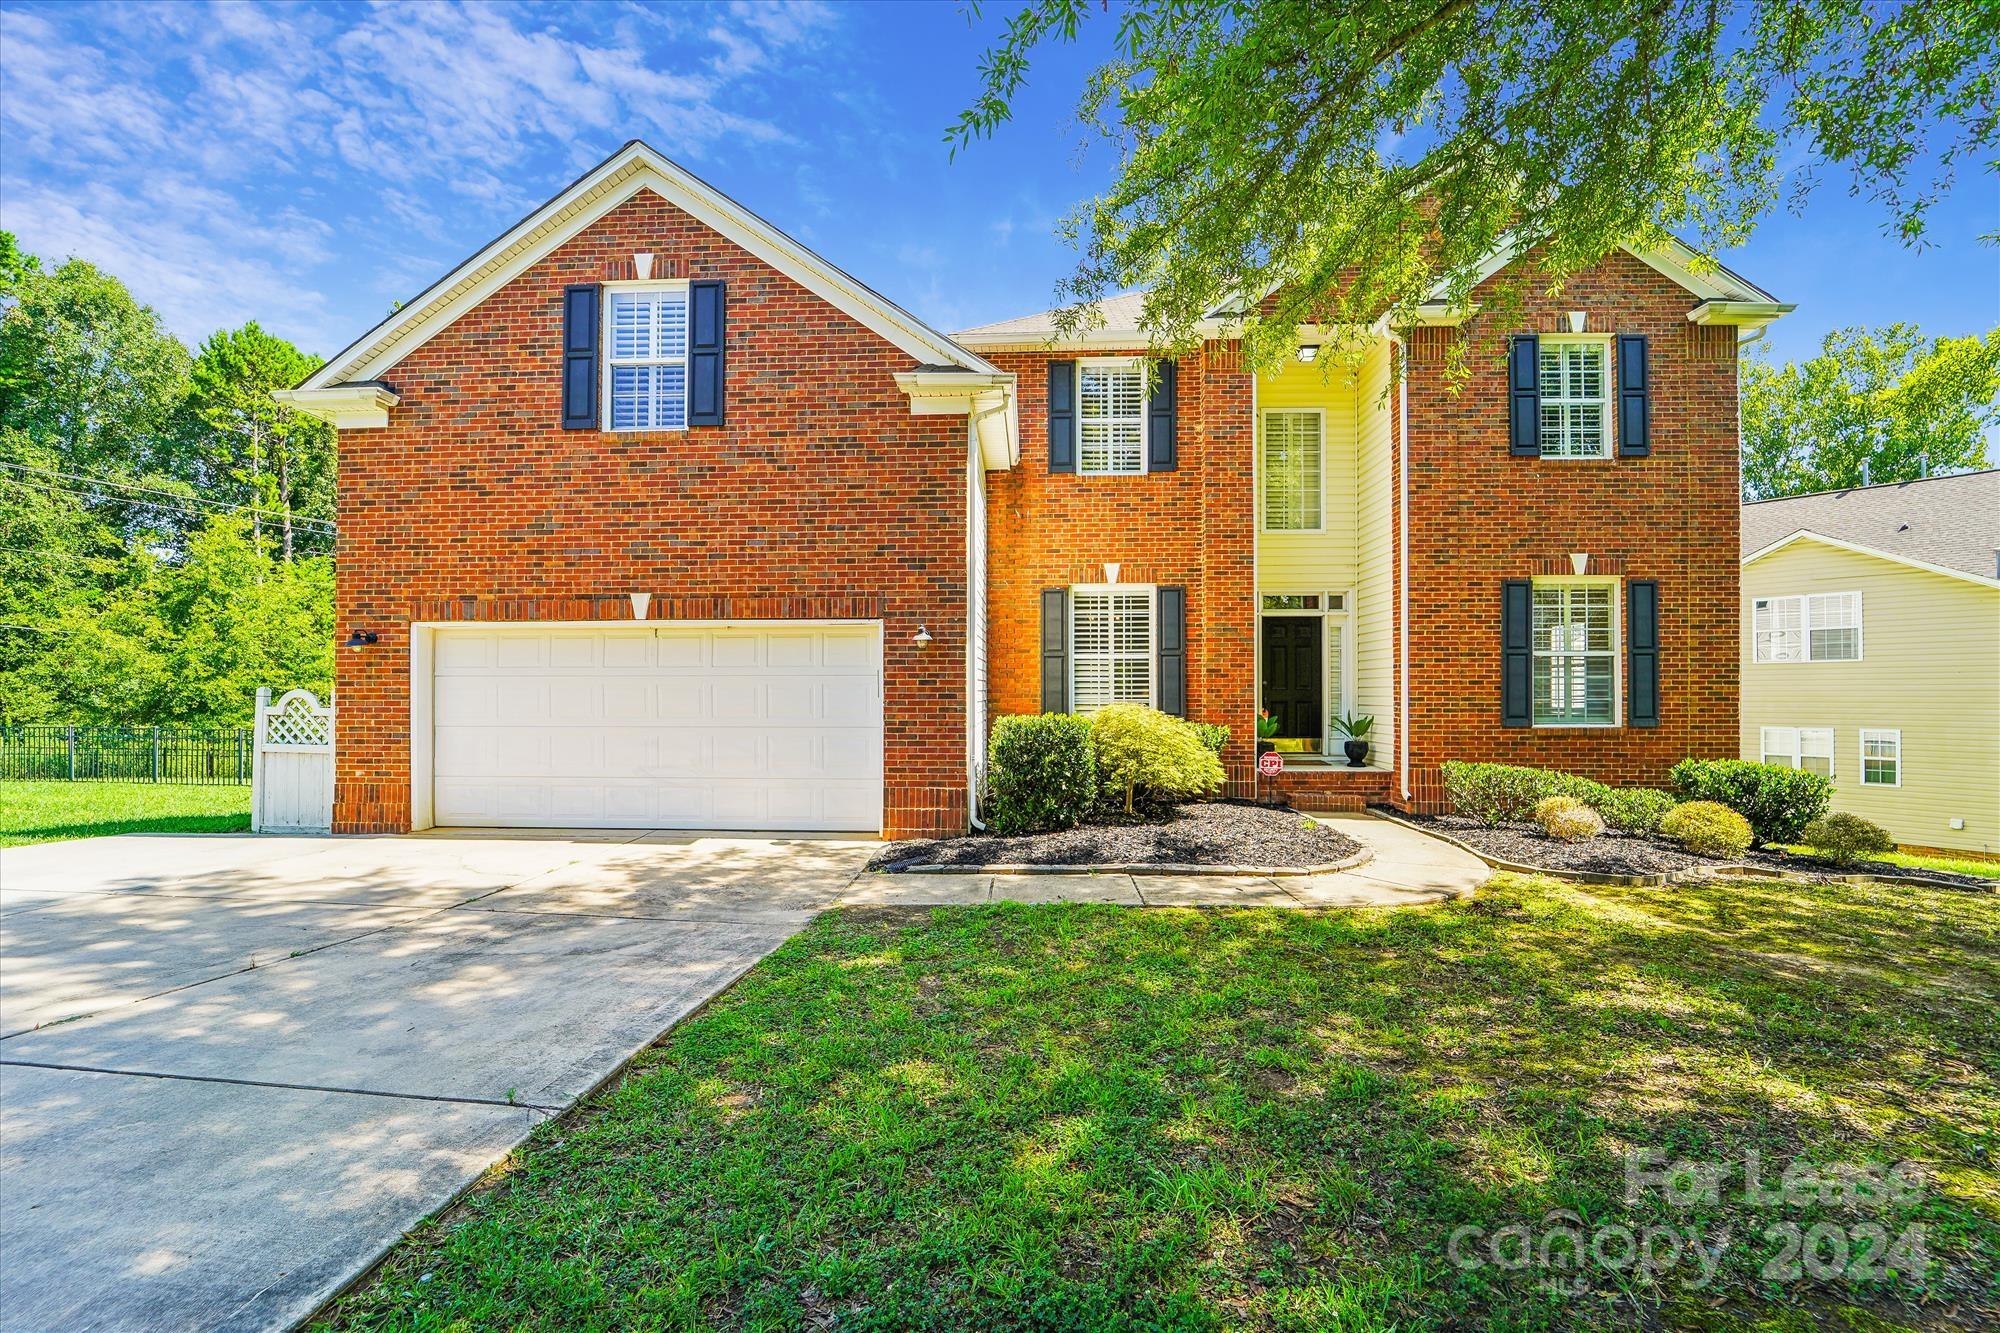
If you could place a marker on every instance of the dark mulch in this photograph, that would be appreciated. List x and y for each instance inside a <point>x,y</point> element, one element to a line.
<point>1615,853</point>
<point>1209,833</point>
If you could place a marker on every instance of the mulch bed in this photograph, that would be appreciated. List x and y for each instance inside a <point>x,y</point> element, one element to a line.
<point>1615,853</point>
<point>1208,833</point>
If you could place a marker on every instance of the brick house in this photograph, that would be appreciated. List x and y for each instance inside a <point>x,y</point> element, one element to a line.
<point>651,517</point>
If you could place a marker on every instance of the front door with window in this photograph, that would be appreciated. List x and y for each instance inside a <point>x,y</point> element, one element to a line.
<point>1292,677</point>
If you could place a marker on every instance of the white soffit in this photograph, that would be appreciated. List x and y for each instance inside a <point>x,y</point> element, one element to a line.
<point>635,167</point>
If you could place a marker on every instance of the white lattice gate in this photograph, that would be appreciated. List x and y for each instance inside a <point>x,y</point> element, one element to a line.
<point>292,790</point>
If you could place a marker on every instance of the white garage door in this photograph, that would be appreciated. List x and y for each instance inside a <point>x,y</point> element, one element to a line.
<point>766,727</point>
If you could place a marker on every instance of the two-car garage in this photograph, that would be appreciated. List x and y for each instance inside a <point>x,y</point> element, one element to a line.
<point>769,726</point>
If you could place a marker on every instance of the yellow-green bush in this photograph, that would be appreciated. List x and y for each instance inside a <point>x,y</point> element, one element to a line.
<point>1707,828</point>
<point>1567,819</point>
<point>1142,750</point>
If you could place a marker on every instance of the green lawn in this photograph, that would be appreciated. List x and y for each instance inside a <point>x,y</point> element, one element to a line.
<point>47,811</point>
<point>1076,1117</point>
<point>1963,865</point>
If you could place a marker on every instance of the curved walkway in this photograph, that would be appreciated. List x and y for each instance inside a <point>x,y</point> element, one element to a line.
<point>1407,867</point>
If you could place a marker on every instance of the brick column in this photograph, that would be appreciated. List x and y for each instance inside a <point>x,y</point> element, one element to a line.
<point>1223,628</point>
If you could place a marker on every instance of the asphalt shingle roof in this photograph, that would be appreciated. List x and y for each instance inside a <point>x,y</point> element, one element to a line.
<point>1951,521</point>
<point>1120,313</point>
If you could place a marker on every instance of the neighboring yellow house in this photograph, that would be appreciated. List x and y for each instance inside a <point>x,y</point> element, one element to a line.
<point>1871,651</point>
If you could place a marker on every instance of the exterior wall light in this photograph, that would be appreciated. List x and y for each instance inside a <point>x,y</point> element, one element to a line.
<point>361,638</point>
<point>1308,352</point>
<point>922,638</point>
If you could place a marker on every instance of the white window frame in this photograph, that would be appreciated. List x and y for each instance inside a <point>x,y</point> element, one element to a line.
<point>1616,652</point>
<point>1607,403</point>
<point>1264,467</point>
<point>1151,594</point>
<point>1893,736</point>
<point>1764,613</point>
<point>1795,755</point>
<point>611,362</point>
<point>1111,365</point>
<point>1334,610</point>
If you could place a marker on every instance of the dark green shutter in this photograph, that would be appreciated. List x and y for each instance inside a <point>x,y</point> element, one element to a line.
<point>579,364</point>
<point>1642,645</point>
<point>1524,396</point>
<point>1055,650</point>
<point>1062,416</point>
<point>1162,417</point>
<point>1517,653</point>
<point>1170,634</point>
<point>708,336</point>
<point>1635,406</point>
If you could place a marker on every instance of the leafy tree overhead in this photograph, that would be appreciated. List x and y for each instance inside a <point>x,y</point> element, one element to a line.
<point>1878,406</point>
<point>1351,156</point>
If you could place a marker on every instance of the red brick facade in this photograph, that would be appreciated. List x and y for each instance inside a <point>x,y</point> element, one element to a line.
<point>823,496</point>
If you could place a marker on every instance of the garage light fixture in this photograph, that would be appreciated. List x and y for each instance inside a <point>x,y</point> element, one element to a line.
<point>361,638</point>
<point>922,638</point>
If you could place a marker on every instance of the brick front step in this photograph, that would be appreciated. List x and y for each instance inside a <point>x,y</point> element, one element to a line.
<point>1316,786</point>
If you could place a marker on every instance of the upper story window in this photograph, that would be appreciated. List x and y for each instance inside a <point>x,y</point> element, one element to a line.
<point>647,365</point>
<point>1110,647</point>
<point>1821,627</point>
<point>1576,392</point>
<point>1809,748</point>
<point>1294,449</point>
<point>1110,418</point>
<point>1575,636</point>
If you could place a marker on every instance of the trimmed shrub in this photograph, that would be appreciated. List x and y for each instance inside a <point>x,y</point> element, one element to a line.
<point>1778,801</point>
<point>1213,734</point>
<point>1493,793</point>
<point>1635,809</point>
<point>1141,749</point>
<point>1567,819</point>
<point>1707,828</point>
<point>1041,773</point>
<point>1843,838</point>
<point>1587,790</point>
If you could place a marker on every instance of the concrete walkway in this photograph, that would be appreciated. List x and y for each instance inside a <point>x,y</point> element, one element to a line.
<point>234,1070</point>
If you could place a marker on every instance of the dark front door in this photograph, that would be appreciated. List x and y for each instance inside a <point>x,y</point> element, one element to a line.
<point>1292,676</point>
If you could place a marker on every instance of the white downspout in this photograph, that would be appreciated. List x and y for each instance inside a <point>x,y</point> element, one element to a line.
<point>1403,558</point>
<point>975,707</point>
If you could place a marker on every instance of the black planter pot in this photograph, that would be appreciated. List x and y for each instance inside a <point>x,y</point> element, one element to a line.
<point>1357,754</point>
<point>1265,747</point>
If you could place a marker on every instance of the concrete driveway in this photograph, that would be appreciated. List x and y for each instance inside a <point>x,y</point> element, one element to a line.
<point>234,1070</point>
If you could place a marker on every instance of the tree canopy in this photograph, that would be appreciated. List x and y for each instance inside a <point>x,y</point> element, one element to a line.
<point>1873,406</point>
<point>1351,157</point>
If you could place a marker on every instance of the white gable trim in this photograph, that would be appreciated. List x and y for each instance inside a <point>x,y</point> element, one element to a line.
<point>1808,535</point>
<point>632,168</point>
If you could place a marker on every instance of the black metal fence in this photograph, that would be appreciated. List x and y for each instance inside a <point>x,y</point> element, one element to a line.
<point>192,756</point>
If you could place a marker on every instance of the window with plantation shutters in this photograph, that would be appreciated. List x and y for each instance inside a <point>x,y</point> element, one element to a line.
<point>1294,451</point>
<point>1821,627</point>
<point>647,358</point>
<point>1110,647</point>
<point>1575,647</point>
<point>1110,418</point>
<point>1575,393</point>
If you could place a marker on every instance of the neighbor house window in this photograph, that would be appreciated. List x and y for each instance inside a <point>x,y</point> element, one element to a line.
<point>647,366</point>
<point>1293,450</point>
<point>1881,758</point>
<point>1110,418</point>
<point>1809,748</point>
<point>1823,627</point>
<point>1576,653</point>
<point>1110,647</point>
<point>1575,393</point>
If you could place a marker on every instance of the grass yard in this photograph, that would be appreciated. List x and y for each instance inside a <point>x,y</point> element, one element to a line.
<point>1961,865</point>
<point>1076,1117</point>
<point>48,811</point>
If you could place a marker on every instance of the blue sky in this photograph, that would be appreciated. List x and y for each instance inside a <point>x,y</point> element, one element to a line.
<point>306,165</point>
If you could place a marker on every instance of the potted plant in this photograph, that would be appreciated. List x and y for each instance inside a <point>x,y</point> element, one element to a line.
<point>1355,727</point>
<point>1267,731</point>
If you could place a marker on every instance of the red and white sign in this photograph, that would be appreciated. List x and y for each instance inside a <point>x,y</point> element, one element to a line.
<point>1270,763</point>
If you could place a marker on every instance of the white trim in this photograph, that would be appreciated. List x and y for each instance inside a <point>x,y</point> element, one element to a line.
<point>1806,627</point>
<point>1616,583</point>
<point>346,406</point>
<point>1332,621</point>
<point>1808,535</point>
<point>1797,754</point>
<point>1113,365</point>
<point>1741,314</point>
<point>610,183</point>
<point>988,400</point>
<point>1607,402</point>
<point>1264,476</point>
<point>1152,595</point>
<point>1861,754</point>
<point>611,362</point>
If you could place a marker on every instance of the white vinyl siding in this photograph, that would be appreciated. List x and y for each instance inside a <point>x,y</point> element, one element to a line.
<point>647,358</point>
<point>1110,647</point>
<point>1809,748</point>
<point>1881,758</point>
<point>1576,391</point>
<point>1575,637</point>
<point>1294,471</point>
<point>1822,627</point>
<point>1110,418</point>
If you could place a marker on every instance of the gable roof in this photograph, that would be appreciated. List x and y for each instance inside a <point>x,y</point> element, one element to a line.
<point>634,167</point>
<point>1947,524</point>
